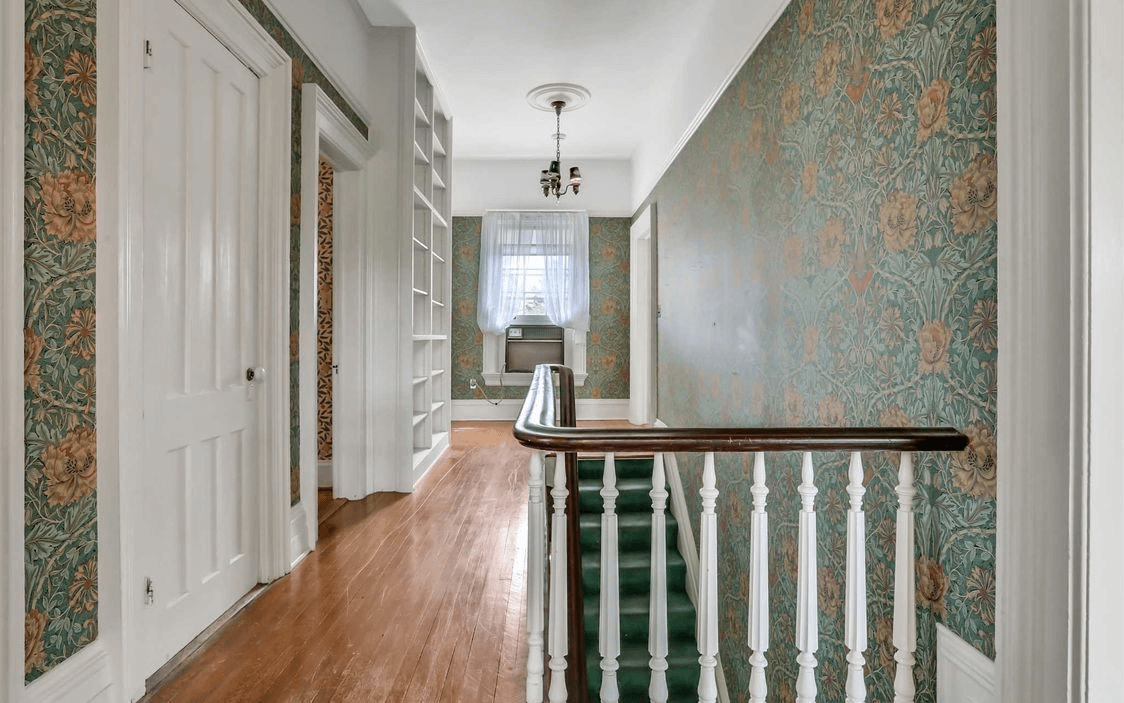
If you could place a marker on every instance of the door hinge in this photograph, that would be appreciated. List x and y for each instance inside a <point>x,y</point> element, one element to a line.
<point>149,593</point>
<point>147,53</point>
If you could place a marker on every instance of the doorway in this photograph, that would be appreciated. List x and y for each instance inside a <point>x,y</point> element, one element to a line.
<point>326,367</point>
<point>642,327</point>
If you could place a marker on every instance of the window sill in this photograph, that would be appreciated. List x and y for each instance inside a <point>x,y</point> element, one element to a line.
<point>520,379</point>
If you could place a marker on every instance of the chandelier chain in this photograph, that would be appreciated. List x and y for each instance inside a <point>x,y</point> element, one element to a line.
<point>558,135</point>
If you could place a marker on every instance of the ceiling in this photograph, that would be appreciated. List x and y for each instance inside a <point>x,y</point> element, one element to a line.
<point>487,54</point>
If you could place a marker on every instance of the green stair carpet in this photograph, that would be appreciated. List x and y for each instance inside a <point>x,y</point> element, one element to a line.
<point>634,508</point>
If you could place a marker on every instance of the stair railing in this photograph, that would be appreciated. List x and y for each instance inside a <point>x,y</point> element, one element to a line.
<point>538,429</point>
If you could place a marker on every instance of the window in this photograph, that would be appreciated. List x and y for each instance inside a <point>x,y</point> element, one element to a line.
<point>534,270</point>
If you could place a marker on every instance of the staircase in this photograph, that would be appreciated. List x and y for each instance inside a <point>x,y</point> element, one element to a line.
<point>634,507</point>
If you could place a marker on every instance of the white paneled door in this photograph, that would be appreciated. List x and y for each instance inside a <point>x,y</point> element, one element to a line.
<point>199,545</point>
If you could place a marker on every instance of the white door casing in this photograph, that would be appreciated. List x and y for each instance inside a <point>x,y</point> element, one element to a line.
<point>199,483</point>
<point>1105,532</point>
<point>11,348</point>
<point>642,344</point>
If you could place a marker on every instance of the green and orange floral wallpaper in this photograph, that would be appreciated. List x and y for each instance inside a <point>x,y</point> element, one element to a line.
<point>60,518</point>
<point>827,256</point>
<point>608,341</point>
<point>60,503</point>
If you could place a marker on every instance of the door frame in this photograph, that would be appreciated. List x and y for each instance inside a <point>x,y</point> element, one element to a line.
<point>1058,406</point>
<point>121,25</point>
<point>326,131</point>
<point>642,320</point>
<point>11,346</point>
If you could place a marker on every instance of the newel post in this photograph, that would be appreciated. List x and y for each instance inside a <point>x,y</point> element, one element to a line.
<point>807,602</point>
<point>707,631</point>
<point>559,631</point>
<point>905,597</point>
<point>759,585</point>
<point>536,568</point>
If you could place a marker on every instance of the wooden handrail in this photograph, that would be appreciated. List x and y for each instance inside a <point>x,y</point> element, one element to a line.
<point>536,428</point>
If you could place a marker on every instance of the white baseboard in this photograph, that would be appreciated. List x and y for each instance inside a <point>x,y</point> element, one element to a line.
<point>86,677</point>
<point>298,534</point>
<point>588,409</point>
<point>324,474</point>
<point>964,675</point>
<point>687,545</point>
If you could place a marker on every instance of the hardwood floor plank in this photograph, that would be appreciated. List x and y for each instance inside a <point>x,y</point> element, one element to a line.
<point>415,597</point>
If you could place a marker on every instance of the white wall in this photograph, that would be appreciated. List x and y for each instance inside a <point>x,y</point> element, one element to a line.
<point>696,86</point>
<point>480,184</point>
<point>335,34</point>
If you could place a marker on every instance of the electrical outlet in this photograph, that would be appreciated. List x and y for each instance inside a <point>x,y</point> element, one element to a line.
<point>472,384</point>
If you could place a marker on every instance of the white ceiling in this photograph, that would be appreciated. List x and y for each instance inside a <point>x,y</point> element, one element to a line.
<point>487,54</point>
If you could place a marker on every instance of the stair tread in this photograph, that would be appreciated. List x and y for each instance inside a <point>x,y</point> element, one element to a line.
<point>626,520</point>
<point>623,467</point>
<point>634,525</point>
<point>638,604</point>
<point>633,560</point>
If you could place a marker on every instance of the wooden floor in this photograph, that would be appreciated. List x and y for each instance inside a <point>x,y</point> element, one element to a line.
<point>413,598</point>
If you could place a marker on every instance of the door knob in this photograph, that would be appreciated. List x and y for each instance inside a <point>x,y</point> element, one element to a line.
<point>255,373</point>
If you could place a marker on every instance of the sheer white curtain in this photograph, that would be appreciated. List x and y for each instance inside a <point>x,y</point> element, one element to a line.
<point>561,239</point>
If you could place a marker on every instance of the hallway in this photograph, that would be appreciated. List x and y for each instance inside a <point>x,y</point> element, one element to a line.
<point>415,597</point>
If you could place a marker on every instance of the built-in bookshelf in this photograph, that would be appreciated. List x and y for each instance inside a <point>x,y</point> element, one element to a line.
<point>431,278</point>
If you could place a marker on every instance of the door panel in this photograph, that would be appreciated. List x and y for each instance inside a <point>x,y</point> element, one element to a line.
<point>200,272</point>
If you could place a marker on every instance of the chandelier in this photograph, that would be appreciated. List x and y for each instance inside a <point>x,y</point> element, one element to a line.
<point>551,178</point>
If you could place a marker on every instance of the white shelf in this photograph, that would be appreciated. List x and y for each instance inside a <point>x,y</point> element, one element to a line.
<point>429,140</point>
<point>421,199</point>
<point>419,113</point>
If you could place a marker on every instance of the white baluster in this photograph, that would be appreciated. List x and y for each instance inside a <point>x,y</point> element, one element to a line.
<point>610,625</point>
<point>536,567</point>
<point>807,615</point>
<point>707,632</point>
<point>856,636</point>
<point>905,610</point>
<point>657,608</point>
<point>758,584</point>
<point>558,644</point>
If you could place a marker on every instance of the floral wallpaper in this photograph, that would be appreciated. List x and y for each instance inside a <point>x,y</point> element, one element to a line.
<point>324,272</point>
<point>60,503</point>
<point>608,343</point>
<point>304,71</point>
<point>60,521</point>
<point>827,256</point>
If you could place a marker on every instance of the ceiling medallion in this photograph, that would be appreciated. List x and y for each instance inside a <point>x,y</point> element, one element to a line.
<point>558,98</point>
